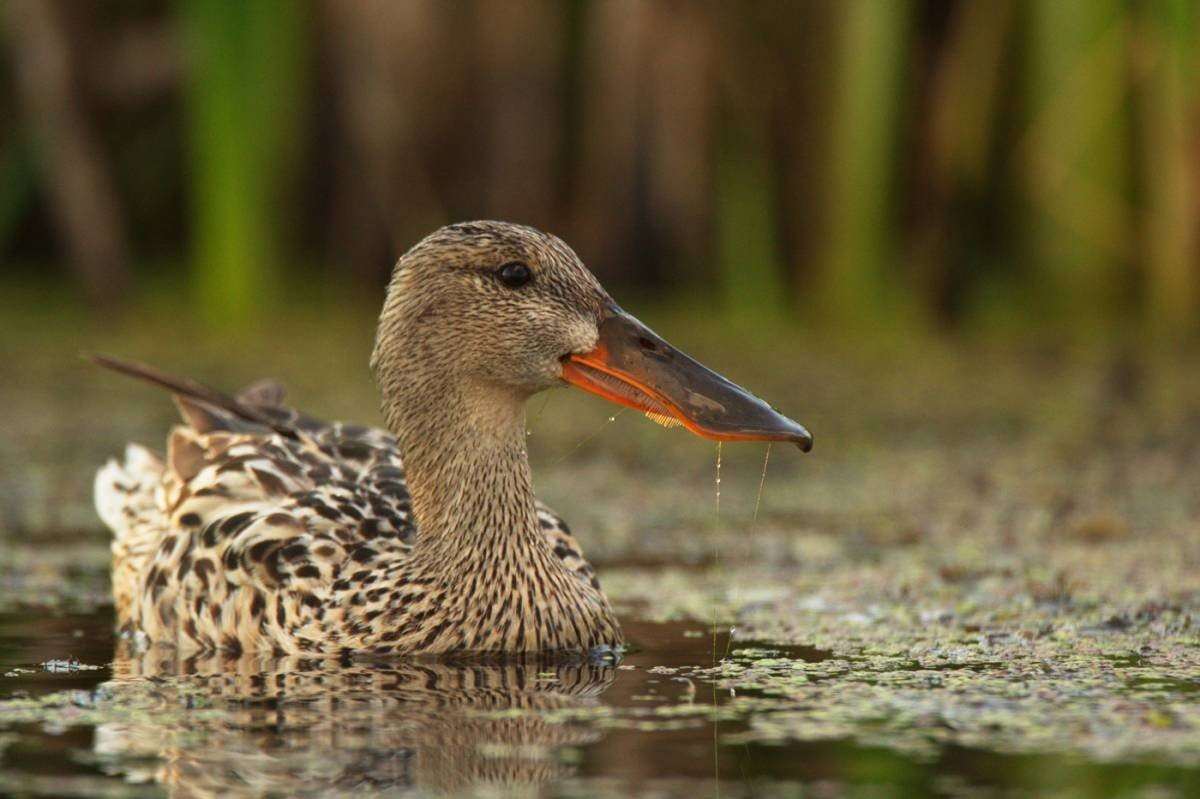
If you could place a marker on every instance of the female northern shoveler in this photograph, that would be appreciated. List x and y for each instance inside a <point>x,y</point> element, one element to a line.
<point>264,529</point>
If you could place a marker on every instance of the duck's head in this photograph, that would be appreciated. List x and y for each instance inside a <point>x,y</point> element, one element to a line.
<point>490,313</point>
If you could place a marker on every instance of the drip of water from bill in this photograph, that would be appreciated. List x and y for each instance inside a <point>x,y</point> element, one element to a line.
<point>537,415</point>
<point>761,482</point>
<point>590,436</point>
<point>716,551</point>
<point>715,609</point>
<point>718,482</point>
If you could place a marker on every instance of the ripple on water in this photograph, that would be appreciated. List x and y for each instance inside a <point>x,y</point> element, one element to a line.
<point>96,720</point>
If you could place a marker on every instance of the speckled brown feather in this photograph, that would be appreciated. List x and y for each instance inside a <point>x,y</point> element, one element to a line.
<point>268,530</point>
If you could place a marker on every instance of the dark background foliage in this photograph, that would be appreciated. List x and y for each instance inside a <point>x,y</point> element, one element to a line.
<point>876,163</point>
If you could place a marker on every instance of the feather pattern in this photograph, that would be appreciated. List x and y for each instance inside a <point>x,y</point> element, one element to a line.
<point>248,537</point>
<point>264,529</point>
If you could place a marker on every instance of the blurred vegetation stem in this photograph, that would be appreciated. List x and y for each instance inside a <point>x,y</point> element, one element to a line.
<point>80,187</point>
<point>1169,39</point>
<point>247,83</point>
<point>1076,156</point>
<point>860,277</point>
<point>751,268</point>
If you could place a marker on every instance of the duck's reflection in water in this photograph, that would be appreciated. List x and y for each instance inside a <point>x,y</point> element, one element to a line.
<point>220,726</point>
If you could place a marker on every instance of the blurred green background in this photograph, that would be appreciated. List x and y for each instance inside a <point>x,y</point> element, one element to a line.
<point>872,165</point>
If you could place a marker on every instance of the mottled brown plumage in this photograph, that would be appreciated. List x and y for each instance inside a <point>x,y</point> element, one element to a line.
<point>266,530</point>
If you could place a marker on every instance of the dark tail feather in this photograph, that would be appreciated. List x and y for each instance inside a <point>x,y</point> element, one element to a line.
<point>192,392</point>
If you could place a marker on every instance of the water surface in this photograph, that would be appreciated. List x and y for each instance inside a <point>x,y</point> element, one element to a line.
<point>984,582</point>
<point>81,715</point>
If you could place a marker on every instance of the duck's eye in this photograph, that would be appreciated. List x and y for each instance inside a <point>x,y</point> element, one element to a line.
<point>515,274</point>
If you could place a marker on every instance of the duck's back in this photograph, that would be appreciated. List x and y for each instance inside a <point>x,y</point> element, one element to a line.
<point>280,533</point>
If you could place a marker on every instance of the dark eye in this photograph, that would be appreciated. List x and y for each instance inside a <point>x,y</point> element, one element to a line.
<point>514,275</point>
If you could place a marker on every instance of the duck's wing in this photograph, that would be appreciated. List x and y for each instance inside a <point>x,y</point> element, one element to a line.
<point>262,524</point>
<point>271,539</point>
<point>255,524</point>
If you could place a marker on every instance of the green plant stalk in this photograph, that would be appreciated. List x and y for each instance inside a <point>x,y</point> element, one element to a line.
<point>16,187</point>
<point>244,99</point>
<point>1169,124</point>
<point>860,281</point>
<point>1074,157</point>
<point>747,221</point>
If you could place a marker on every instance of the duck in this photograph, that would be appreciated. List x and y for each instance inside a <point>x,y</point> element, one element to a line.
<point>262,529</point>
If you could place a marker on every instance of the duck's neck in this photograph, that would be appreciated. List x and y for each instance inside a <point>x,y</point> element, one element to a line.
<point>480,549</point>
<point>468,474</point>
